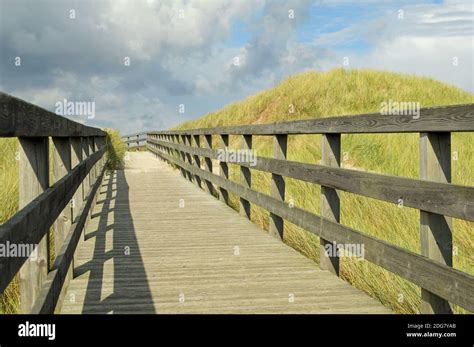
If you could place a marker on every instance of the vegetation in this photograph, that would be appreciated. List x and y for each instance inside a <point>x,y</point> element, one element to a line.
<point>346,92</point>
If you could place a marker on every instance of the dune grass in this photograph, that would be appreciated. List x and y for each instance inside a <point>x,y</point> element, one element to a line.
<point>9,147</point>
<point>346,92</point>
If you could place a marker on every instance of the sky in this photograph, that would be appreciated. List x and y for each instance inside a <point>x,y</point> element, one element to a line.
<point>150,65</point>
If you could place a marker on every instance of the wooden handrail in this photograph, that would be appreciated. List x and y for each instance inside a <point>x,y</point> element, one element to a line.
<point>78,164</point>
<point>433,194</point>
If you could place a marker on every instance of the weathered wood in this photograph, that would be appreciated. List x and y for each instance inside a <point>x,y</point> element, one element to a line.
<point>447,199</point>
<point>61,167</point>
<point>457,118</point>
<point>196,159</point>
<point>330,202</point>
<point>276,223</point>
<point>34,180</point>
<point>245,178</point>
<point>201,258</point>
<point>208,163</point>
<point>189,159</point>
<point>85,154</point>
<point>31,224</point>
<point>446,282</point>
<point>436,230</point>
<point>76,158</point>
<point>224,169</point>
<point>57,280</point>
<point>19,118</point>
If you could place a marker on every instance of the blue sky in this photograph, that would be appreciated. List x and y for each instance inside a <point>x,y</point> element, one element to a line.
<point>184,52</point>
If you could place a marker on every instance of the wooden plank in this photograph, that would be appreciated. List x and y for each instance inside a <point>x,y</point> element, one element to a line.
<point>276,223</point>
<point>19,118</point>
<point>58,278</point>
<point>436,230</point>
<point>245,178</point>
<point>76,159</point>
<point>173,268</point>
<point>196,159</point>
<point>447,199</point>
<point>224,169</point>
<point>453,118</point>
<point>32,222</point>
<point>33,181</point>
<point>61,167</point>
<point>208,164</point>
<point>330,202</point>
<point>446,282</point>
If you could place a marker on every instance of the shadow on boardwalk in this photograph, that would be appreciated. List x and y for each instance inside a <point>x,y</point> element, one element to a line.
<point>114,222</point>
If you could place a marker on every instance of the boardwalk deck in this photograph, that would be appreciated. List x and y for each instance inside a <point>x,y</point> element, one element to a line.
<point>144,253</point>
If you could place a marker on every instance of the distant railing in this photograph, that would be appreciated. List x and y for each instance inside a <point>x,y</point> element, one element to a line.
<point>433,194</point>
<point>78,166</point>
<point>136,140</point>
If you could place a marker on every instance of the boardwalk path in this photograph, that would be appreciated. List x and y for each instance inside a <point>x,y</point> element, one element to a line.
<point>145,254</point>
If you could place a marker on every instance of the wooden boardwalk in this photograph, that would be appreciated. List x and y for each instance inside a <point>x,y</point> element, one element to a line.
<point>146,252</point>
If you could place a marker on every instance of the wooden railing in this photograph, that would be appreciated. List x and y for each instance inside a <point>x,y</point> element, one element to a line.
<point>135,140</point>
<point>78,166</point>
<point>433,194</point>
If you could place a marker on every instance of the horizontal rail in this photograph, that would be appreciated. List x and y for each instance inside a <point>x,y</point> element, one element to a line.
<point>19,118</point>
<point>31,223</point>
<point>457,118</point>
<point>444,281</point>
<point>442,198</point>
<point>134,135</point>
<point>50,292</point>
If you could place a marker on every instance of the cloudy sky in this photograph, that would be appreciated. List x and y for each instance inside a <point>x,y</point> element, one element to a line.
<point>142,62</point>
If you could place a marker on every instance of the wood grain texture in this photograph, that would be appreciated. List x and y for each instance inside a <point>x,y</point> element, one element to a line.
<point>446,282</point>
<point>436,231</point>
<point>32,222</point>
<point>145,254</point>
<point>436,119</point>
<point>20,118</point>
<point>330,201</point>
<point>33,181</point>
<point>448,199</point>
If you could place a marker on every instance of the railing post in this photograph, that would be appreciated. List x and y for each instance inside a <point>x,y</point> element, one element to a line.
<point>197,160</point>
<point>435,229</point>
<point>208,163</point>
<point>245,177</point>
<point>33,180</point>
<point>180,140</point>
<point>224,170</point>
<point>189,160</point>
<point>276,225</point>
<point>330,203</point>
<point>86,182</point>
<point>76,158</point>
<point>61,167</point>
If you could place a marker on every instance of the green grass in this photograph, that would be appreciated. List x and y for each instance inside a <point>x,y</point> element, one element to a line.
<point>346,92</point>
<point>10,300</point>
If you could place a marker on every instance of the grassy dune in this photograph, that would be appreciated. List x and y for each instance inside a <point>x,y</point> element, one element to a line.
<point>342,92</point>
<point>9,300</point>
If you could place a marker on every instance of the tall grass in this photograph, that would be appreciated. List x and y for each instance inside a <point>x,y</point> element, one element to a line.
<point>343,92</point>
<point>10,299</point>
